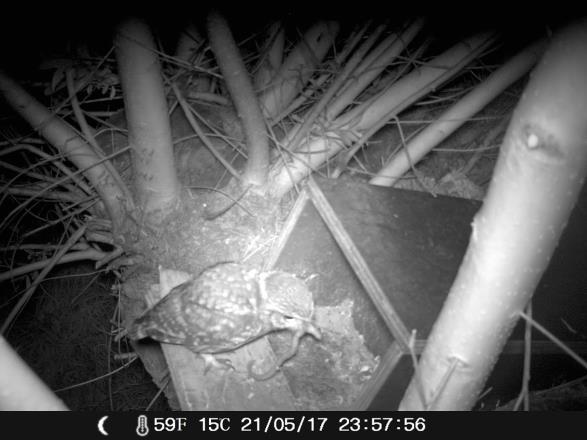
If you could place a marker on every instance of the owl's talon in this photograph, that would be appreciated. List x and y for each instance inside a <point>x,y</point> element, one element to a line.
<point>225,364</point>
<point>211,361</point>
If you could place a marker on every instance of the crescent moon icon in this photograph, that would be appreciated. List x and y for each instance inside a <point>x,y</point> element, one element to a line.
<point>101,426</point>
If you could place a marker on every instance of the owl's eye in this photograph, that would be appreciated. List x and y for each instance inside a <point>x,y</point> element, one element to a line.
<point>281,321</point>
<point>291,322</point>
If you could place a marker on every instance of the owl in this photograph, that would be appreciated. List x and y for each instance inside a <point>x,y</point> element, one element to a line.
<point>228,306</point>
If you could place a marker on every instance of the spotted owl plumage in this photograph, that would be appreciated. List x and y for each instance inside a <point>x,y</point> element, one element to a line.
<point>228,306</point>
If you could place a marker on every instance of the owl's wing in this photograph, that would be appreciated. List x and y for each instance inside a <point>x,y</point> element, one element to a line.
<point>204,318</point>
<point>160,321</point>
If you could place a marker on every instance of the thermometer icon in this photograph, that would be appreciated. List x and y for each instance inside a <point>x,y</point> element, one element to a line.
<point>142,428</point>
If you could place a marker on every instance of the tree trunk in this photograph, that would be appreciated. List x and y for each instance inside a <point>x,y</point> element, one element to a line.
<point>538,176</point>
<point>155,177</point>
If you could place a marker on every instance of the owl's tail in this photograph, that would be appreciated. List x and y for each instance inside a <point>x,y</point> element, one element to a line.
<point>137,330</point>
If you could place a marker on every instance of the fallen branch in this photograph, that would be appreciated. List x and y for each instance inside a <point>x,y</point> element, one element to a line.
<point>88,254</point>
<point>22,389</point>
<point>65,139</point>
<point>24,299</point>
<point>449,121</point>
<point>241,91</point>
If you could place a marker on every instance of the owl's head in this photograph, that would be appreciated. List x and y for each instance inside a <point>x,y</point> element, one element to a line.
<point>286,294</point>
<point>287,303</point>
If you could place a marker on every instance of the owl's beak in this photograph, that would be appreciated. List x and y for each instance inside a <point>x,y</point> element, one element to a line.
<point>313,330</point>
<point>297,326</point>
